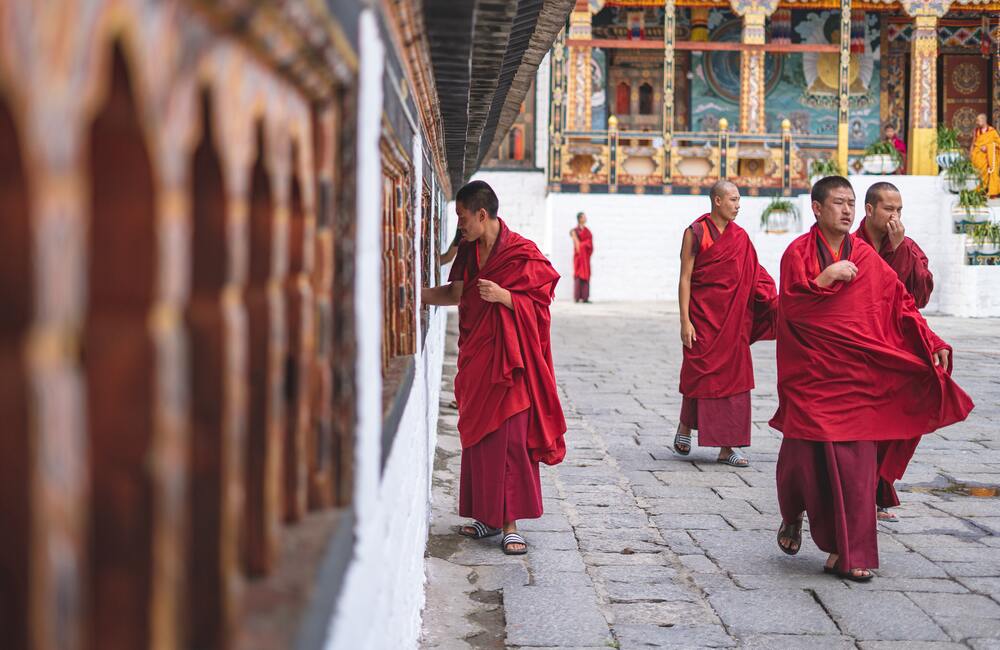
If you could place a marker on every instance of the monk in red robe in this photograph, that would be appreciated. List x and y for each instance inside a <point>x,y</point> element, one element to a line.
<point>510,417</point>
<point>857,364</point>
<point>727,301</point>
<point>882,229</point>
<point>583,248</point>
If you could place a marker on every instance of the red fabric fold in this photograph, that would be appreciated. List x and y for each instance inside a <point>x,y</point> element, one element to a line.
<point>855,359</point>
<point>581,257</point>
<point>505,356</point>
<point>909,263</point>
<point>732,305</point>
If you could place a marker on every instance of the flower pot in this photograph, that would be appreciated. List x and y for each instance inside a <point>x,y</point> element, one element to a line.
<point>779,221</point>
<point>880,164</point>
<point>960,218</point>
<point>985,254</point>
<point>957,186</point>
<point>945,159</point>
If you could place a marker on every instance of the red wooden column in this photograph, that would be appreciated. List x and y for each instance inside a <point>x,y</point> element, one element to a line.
<point>133,355</point>
<point>266,338</point>
<point>216,323</point>
<point>320,433</point>
<point>299,309</point>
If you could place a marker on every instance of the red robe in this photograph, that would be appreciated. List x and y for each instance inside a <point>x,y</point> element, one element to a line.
<point>505,356</point>
<point>581,257</point>
<point>855,359</point>
<point>732,305</point>
<point>909,263</point>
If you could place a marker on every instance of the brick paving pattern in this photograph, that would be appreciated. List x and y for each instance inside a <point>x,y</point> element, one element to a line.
<point>641,548</point>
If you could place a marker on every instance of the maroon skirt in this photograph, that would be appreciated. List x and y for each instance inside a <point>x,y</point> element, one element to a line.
<point>500,483</point>
<point>721,422</point>
<point>834,483</point>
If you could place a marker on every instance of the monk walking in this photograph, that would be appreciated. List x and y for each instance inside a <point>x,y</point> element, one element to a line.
<point>510,417</point>
<point>883,230</point>
<point>857,364</point>
<point>583,248</point>
<point>727,301</point>
<point>985,156</point>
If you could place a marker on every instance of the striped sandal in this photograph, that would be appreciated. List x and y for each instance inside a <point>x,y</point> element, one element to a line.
<point>477,530</point>
<point>509,540</point>
<point>735,459</point>
<point>682,440</point>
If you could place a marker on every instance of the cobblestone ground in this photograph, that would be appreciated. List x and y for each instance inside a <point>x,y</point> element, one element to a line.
<point>641,548</point>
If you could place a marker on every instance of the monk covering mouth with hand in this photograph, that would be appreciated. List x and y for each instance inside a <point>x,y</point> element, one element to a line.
<point>857,366</point>
<point>510,417</point>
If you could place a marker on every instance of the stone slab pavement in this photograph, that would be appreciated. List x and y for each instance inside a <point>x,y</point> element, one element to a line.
<point>641,548</point>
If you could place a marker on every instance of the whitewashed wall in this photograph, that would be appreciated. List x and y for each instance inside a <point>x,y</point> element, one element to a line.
<point>637,237</point>
<point>383,591</point>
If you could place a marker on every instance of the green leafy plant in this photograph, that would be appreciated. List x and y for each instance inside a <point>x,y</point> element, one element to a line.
<point>984,233</point>
<point>825,168</point>
<point>947,139</point>
<point>883,148</point>
<point>961,171</point>
<point>778,204</point>
<point>972,200</point>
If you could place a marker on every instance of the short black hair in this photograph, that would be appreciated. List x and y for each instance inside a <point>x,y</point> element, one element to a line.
<point>478,195</point>
<point>874,192</point>
<point>822,188</point>
<point>578,215</point>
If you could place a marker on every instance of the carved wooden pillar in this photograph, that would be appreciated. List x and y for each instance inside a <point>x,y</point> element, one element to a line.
<point>754,13</point>
<point>922,143</point>
<point>844,85</point>
<point>557,106</point>
<point>579,75</point>
<point>669,31</point>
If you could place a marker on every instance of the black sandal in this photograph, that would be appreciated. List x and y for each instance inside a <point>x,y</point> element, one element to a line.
<point>509,540</point>
<point>792,532</point>
<point>477,530</point>
<point>849,575</point>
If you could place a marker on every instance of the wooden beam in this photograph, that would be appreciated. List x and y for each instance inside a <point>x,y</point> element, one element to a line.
<point>702,46</point>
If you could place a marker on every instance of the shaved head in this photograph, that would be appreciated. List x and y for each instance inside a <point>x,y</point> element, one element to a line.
<point>720,189</point>
<point>725,200</point>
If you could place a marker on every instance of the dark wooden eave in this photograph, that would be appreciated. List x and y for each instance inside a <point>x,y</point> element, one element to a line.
<point>485,54</point>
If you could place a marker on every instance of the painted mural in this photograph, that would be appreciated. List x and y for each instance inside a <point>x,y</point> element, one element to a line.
<point>800,87</point>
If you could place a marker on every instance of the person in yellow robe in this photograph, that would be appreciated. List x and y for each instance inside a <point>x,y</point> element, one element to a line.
<point>985,155</point>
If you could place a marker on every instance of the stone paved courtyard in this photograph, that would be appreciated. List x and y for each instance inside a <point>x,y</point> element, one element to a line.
<point>641,548</point>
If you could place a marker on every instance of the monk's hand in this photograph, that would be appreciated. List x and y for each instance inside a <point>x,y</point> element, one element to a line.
<point>941,358</point>
<point>688,336</point>
<point>492,292</point>
<point>896,232</point>
<point>842,271</point>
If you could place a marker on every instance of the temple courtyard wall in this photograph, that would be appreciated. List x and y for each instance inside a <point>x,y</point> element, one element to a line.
<point>637,237</point>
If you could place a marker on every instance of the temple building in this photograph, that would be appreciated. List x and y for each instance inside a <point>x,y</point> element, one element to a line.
<point>642,99</point>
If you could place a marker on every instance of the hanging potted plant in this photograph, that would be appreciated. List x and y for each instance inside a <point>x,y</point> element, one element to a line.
<point>948,147</point>
<point>983,243</point>
<point>970,210</point>
<point>961,175</point>
<point>881,158</point>
<point>779,215</point>
<point>822,168</point>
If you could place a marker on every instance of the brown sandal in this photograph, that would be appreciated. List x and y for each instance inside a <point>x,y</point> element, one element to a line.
<point>792,532</point>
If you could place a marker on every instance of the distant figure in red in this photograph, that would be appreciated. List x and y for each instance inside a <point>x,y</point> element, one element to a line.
<point>858,367</point>
<point>509,418</point>
<point>583,248</point>
<point>892,138</point>
<point>727,301</point>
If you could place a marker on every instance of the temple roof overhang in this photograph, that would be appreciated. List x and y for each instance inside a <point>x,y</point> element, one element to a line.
<point>484,55</point>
